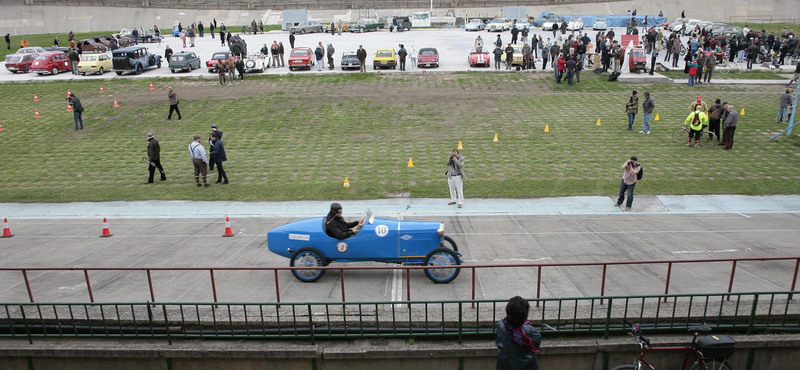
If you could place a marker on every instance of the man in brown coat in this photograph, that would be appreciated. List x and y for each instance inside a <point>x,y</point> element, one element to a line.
<point>173,103</point>
<point>154,158</point>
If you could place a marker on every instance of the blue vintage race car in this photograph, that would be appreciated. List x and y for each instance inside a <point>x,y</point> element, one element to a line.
<point>421,243</point>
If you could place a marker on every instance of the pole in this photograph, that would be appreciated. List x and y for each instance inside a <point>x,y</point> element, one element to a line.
<point>794,109</point>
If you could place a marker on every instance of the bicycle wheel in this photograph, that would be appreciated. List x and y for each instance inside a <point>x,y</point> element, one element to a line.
<point>714,365</point>
<point>724,67</point>
<point>680,135</point>
<point>708,139</point>
<point>738,69</point>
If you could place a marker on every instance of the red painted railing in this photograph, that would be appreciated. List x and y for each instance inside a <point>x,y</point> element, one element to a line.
<point>342,269</point>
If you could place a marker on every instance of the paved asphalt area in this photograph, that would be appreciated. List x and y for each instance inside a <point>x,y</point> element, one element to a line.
<point>514,238</point>
<point>453,44</point>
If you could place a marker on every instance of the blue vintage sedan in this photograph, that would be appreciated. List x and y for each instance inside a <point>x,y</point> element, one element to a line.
<point>420,243</point>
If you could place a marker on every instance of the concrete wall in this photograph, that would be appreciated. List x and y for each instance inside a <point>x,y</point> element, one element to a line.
<point>33,19</point>
<point>774,352</point>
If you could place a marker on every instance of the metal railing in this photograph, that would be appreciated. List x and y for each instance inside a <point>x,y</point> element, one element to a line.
<point>539,267</point>
<point>746,312</point>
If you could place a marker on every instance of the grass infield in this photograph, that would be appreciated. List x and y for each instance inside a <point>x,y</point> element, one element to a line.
<point>298,136</point>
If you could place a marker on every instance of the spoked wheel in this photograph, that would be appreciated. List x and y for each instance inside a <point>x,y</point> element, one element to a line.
<point>708,139</point>
<point>447,259</point>
<point>307,257</point>
<point>714,365</point>
<point>449,242</point>
<point>680,135</point>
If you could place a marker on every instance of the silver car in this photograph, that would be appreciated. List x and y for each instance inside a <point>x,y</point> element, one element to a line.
<point>306,27</point>
<point>28,50</point>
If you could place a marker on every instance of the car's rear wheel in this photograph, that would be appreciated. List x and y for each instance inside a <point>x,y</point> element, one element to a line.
<point>445,258</point>
<point>307,257</point>
<point>172,70</point>
<point>83,73</point>
<point>55,70</point>
<point>291,68</point>
<point>27,69</point>
<point>119,73</point>
<point>138,69</point>
<point>101,71</point>
<point>361,30</point>
<point>449,242</point>
<point>302,31</point>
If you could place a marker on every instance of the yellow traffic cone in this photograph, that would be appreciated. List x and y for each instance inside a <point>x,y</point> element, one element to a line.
<point>742,114</point>
<point>460,146</point>
<point>598,122</point>
<point>547,128</point>
<point>495,138</point>
<point>410,163</point>
<point>346,183</point>
<point>657,118</point>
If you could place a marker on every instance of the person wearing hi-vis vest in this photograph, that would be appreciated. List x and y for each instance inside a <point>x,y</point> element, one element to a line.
<point>696,121</point>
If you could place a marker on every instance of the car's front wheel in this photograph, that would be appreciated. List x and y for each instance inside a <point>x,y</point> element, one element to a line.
<point>119,73</point>
<point>101,71</point>
<point>449,242</point>
<point>307,257</point>
<point>446,259</point>
<point>138,69</point>
<point>55,70</point>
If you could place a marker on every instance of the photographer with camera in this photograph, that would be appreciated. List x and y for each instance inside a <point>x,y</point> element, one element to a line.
<point>77,110</point>
<point>629,178</point>
<point>455,177</point>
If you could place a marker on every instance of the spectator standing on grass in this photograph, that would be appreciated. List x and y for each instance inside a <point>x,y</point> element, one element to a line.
<point>786,104</point>
<point>414,55</point>
<point>729,126</point>
<point>714,116</point>
<point>77,110</point>
<point>648,105</point>
<point>8,41</point>
<point>545,56</point>
<point>710,64</point>
<point>618,53</point>
<point>699,102</point>
<point>221,69</point>
<point>200,161</point>
<point>692,65</point>
<point>631,108</point>
<point>274,49</point>
<point>280,52</point>
<point>291,40</point>
<point>605,57</point>
<point>695,121</point>
<point>701,61</point>
<point>361,54</point>
<point>330,52</point>
<point>517,341</point>
<point>554,51</point>
<point>631,169</point>
<point>319,54</point>
<point>154,158</point>
<point>402,53</point>
<point>173,103</point>
<point>217,157</point>
<point>74,58</point>
<point>561,67</point>
<point>498,56</point>
<point>570,66</point>
<point>455,178</point>
<point>796,75</point>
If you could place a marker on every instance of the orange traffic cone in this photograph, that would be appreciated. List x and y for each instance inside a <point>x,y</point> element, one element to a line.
<point>1,128</point>
<point>101,90</point>
<point>105,233</point>
<point>69,107</point>
<point>35,98</point>
<point>115,103</point>
<point>68,93</point>
<point>151,86</point>
<point>36,113</point>
<point>228,231</point>
<point>6,231</point>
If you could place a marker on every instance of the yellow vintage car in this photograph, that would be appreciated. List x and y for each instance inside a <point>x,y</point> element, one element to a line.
<point>517,57</point>
<point>384,58</point>
<point>94,63</point>
<point>345,26</point>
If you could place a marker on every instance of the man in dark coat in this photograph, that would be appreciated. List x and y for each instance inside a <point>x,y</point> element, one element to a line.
<point>291,40</point>
<point>74,58</point>
<point>167,53</point>
<point>337,227</point>
<point>211,27</point>
<point>498,56</point>
<point>217,157</point>
<point>361,54</point>
<point>514,33</point>
<point>173,103</point>
<point>402,53</point>
<point>154,157</point>
<point>509,55</point>
<point>8,41</point>
<point>77,110</point>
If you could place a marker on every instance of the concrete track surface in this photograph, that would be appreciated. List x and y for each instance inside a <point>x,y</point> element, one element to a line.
<point>511,239</point>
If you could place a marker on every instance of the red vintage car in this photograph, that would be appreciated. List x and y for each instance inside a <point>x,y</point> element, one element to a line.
<point>219,57</point>
<point>92,46</point>
<point>20,63</point>
<point>301,57</point>
<point>479,58</point>
<point>51,62</point>
<point>428,57</point>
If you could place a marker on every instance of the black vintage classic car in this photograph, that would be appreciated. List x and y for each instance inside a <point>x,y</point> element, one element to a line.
<point>134,59</point>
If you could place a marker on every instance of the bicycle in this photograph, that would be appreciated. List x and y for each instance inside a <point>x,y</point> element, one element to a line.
<point>710,352</point>
<point>681,135</point>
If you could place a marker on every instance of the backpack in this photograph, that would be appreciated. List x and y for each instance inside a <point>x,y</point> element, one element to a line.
<point>640,174</point>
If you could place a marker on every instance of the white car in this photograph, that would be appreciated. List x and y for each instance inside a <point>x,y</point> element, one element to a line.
<point>600,24</point>
<point>475,25</point>
<point>499,24</point>
<point>522,25</point>
<point>677,25</point>
<point>256,62</point>
<point>551,23</point>
<point>575,24</point>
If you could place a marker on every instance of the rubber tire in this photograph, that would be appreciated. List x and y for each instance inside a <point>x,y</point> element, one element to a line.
<point>83,73</point>
<point>625,367</point>
<point>159,63</point>
<point>428,271</point>
<point>55,71</point>
<point>726,365</point>
<point>172,70</point>
<point>709,143</point>
<point>323,262</point>
<point>377,29</point>
<point>680,135</point>
<point>452,242</point>
<point>101,71</point>
<point>119,73</point>
<point>291,69</point>
<point>302,31</point>
<point>27,69</point>
<point>138,69</point>
<point>361,30</point>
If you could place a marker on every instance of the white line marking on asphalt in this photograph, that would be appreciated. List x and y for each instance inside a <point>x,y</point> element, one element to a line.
<point>743,215</point>
<point>513,260</point>
<point>397,287</point>
<point>698,252</point>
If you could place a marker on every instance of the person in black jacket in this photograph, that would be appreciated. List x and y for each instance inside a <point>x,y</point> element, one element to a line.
<point>77,110</point>
<point>167,53</point>
<point>337,227</point>
<point>291,40</point>
<point>402,53</point>
<point>217,157</point>
<point>240,68</point>
<point>517,341</point>
<point>498,56</point>
<point>154,157</point>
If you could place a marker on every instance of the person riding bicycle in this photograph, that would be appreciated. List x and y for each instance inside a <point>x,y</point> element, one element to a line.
<point>696,121</point>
